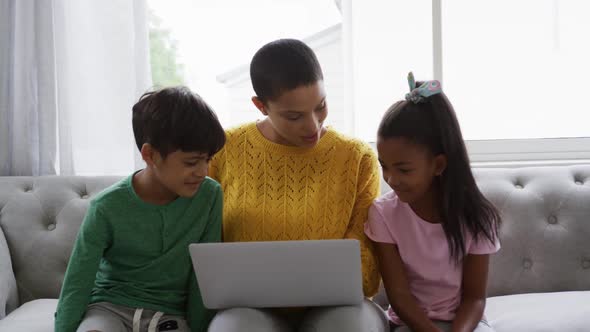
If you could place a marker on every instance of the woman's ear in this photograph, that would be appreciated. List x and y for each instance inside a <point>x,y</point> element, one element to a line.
<point>440,164</point>
<point>259,105</point>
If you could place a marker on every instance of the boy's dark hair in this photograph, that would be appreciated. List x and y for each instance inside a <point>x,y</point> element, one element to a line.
<point>433,124</point>
<point>176,118</point>
<point>283,65</point>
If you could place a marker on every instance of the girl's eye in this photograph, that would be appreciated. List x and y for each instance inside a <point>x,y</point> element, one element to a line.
<point>292,116</point>
<point>405,171</point>
<point>191,164</point>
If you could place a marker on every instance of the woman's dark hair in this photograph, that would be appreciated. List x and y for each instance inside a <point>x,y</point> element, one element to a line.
<point>433,124</point>
<point>176,118</point>
<point>283,65</point>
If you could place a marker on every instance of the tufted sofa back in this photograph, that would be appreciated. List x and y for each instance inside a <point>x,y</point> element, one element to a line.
<point>545,236</point>
<point>40,218</point>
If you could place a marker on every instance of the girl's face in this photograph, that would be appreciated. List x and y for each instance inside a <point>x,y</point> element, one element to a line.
<point>296,117</point>
<point>409,168</point>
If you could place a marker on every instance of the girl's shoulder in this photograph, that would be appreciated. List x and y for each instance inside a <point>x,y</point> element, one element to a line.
<point>387,204</point>
<point>387,199</point>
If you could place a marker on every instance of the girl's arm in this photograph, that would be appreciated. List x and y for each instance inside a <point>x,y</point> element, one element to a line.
<point>473,298</point>
<point>398,289</point>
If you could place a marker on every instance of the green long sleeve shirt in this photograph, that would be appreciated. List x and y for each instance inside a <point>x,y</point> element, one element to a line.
<point>132,253</point>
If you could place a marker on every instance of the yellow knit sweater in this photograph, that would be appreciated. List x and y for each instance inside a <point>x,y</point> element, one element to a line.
<point>275,192</point>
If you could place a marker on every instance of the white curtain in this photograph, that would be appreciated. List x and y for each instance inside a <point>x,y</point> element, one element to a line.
<point>70,73</point>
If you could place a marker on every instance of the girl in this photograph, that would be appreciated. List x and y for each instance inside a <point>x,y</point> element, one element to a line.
<point>435,231</point>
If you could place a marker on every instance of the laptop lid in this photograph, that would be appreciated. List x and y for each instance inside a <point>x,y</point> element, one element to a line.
<point>278,273</point>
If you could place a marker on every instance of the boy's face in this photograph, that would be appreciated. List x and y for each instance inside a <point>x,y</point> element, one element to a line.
<point>297,116</point>
<point>181,172</point>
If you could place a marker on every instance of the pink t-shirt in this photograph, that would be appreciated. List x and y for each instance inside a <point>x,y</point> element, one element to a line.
<point>434,279</point>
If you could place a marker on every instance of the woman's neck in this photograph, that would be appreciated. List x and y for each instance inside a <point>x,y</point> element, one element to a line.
<point>268,131</point>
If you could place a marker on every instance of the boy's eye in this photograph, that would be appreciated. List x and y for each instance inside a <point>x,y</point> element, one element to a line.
<point>192,163</point>
<point>405,171</point>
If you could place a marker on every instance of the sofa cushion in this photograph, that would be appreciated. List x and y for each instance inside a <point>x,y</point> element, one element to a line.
<point>540,312</point>
<point>34,316</point>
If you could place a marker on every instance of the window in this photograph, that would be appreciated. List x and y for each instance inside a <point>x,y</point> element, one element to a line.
<point>207,45</point>
<point>514,69</point>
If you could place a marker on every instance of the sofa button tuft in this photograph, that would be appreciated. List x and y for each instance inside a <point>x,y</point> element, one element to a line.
<point>527,263</point>
<point>586,264</point>
<point>552,220</point>
<point>50,227</point>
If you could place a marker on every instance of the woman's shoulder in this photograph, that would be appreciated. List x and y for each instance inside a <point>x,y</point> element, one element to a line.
<point>239,130</point>
<point>350,143</point>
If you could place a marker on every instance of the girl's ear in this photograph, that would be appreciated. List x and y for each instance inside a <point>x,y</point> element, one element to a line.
<point>440,164</point>
<point>259,105</point>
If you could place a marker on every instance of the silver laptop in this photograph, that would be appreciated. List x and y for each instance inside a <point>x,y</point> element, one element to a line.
<point>278,273</point>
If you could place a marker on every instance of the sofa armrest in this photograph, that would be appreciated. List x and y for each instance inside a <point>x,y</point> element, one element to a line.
<point>8,290</point>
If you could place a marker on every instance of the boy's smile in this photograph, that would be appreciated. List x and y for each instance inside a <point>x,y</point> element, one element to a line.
<point>178,174</point>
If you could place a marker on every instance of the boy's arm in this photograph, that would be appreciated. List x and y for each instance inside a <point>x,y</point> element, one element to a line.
<point>473,298</point>
<point>198,316</point>
<point>367,191</point>
<point>93,238</point>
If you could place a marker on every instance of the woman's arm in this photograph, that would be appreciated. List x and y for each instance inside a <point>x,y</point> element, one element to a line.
<point>473,298</point>
<point>398,289</point>
<point>367,191</point>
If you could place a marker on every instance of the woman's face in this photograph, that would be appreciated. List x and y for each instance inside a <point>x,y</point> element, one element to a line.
<point>296,117</point>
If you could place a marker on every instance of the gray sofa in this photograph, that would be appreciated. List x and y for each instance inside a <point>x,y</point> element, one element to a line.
<point>539,281</point>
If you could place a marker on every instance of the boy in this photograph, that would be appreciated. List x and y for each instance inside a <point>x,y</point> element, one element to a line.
<point>130,268</point>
